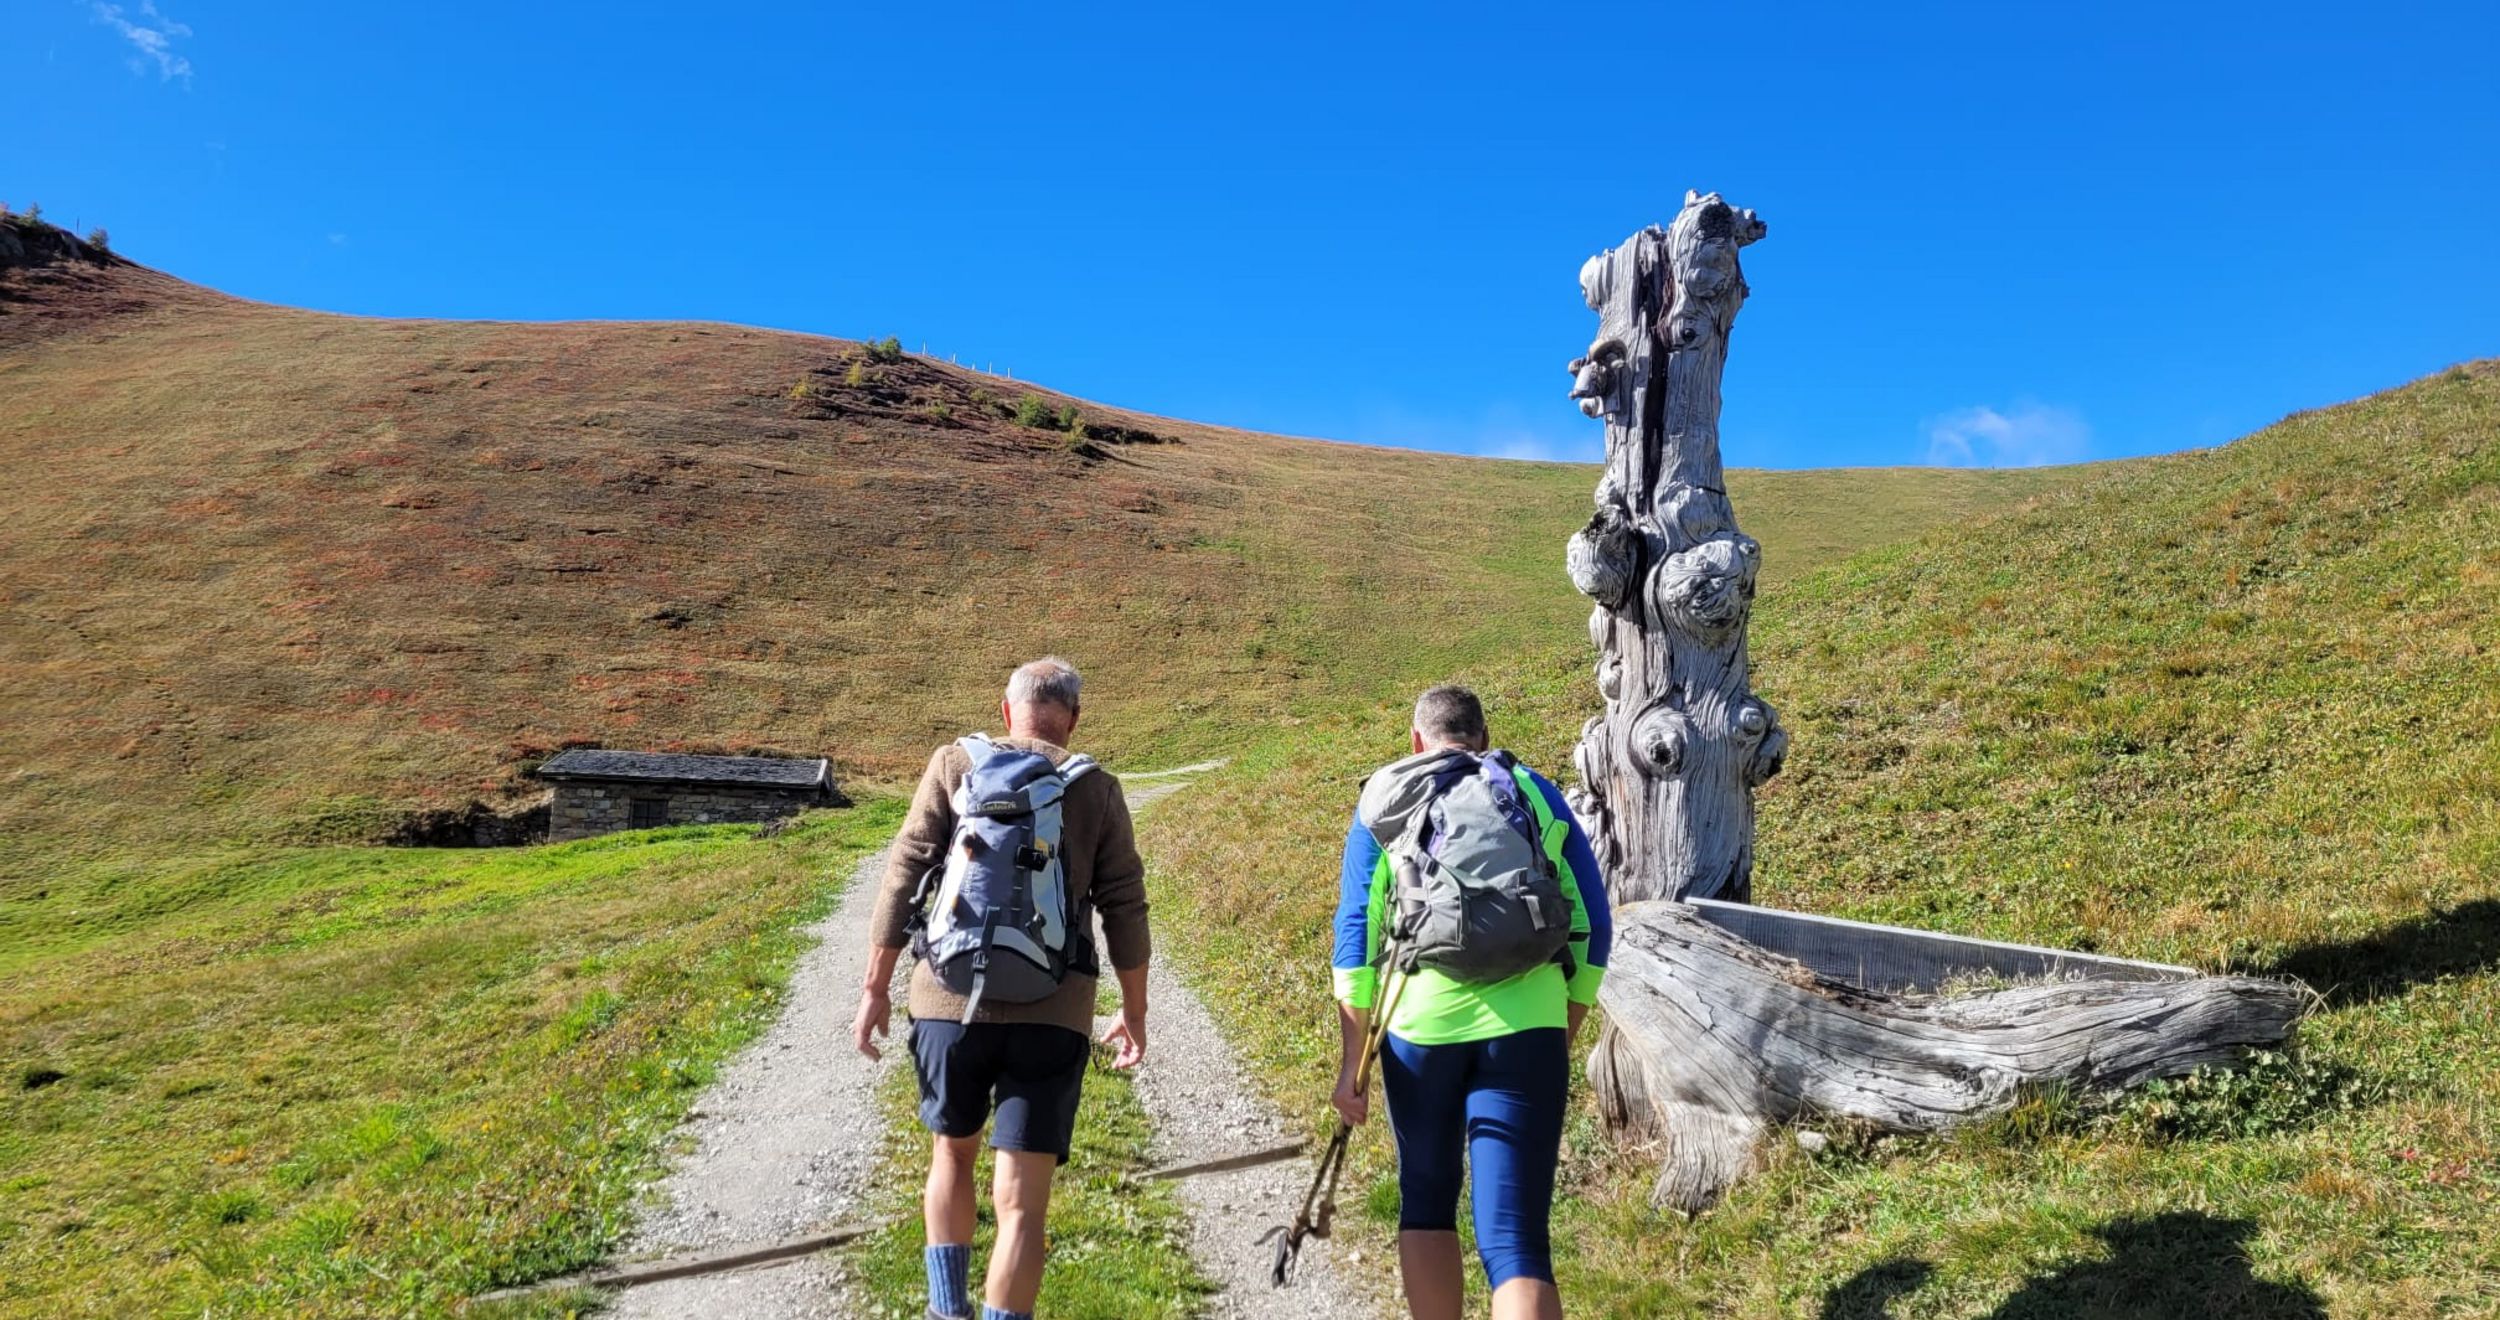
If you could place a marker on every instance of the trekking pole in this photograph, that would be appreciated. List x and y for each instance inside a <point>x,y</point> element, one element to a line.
<point>1319,1203</point>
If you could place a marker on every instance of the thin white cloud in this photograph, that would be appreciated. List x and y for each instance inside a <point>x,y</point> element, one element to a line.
<point>153,35</point>
<point>1500,431</point>
<point>1530,448</point>
<point>2026,434</point>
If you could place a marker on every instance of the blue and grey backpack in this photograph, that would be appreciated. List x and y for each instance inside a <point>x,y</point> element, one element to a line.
<point>1001,926</point>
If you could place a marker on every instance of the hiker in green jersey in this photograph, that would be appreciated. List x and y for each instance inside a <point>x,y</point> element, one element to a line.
<point>1471,910</point>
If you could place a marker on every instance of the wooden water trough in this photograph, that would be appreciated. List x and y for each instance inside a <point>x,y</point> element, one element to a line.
<point>1724,1019</point>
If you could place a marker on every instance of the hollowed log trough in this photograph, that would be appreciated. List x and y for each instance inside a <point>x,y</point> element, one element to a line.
<point>1723,1020</point>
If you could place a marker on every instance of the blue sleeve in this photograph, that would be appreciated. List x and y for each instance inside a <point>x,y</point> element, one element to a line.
<point>1581,857</point>
<point>1351,955</point>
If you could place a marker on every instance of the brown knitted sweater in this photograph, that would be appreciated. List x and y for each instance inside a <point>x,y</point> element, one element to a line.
<point>1097,847</point>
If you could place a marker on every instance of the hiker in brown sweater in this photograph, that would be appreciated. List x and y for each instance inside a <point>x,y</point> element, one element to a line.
<point>994,885</point>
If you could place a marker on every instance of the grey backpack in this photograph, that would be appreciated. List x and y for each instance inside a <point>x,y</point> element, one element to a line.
<point>1001,926</point>
<point>1475,894</point>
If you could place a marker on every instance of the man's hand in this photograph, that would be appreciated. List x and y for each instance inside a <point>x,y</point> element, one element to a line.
<point>1353,1106</point>
<point>876,1007</point>
<point>1127,1038</point>
<point>876,1013</point>
<point>1571,1035</point>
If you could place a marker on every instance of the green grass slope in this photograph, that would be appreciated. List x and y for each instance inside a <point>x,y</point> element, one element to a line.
<point>2239,708</point>
<point>289,576</point>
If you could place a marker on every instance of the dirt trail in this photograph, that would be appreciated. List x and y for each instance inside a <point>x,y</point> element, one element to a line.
<point>784,1143</point>
<point>1203,1108</point>
<point>786,1140</point>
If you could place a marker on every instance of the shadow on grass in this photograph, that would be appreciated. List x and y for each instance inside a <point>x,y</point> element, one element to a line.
<point>2158,1267</point>
<point>1869,1293</point>
<point>2456,941</point>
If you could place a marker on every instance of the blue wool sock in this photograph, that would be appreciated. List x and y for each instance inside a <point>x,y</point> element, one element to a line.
<point>949,1295</point>
<point>989,1312</point>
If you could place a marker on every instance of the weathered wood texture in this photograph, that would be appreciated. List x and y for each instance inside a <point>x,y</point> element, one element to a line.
<point>1668,771</point>
<point>1898,961</point>
<point>1712,1039</point>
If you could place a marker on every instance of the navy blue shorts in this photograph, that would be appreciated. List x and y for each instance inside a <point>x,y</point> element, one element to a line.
<point>1500,1104</point>
<point>1028,1075</point>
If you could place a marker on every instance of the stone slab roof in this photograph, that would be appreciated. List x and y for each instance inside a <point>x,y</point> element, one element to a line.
<point>678,768</point>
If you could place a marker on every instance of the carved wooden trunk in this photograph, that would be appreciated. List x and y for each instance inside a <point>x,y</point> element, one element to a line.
<point>1711,1034</point>
<point>1668,771</point>
<point>1714,1038</point>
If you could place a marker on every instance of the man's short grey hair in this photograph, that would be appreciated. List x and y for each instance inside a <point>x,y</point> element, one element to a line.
<point>1049,681</point>
<point>1451,714</point>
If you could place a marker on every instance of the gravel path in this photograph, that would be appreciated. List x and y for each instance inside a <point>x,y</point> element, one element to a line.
<point>785,1141</point>
<point>1204,1108</point>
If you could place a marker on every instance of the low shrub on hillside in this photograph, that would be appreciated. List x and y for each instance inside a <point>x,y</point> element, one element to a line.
<point>1032,411</point>
<point>99,240</point>
<point>886,350</point>
<point>2272,1091</point>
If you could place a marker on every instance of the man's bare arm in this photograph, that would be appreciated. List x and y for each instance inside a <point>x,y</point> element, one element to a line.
<point>1353,1026</point>
<point>1127,1037</point>
<point>876,1007</point>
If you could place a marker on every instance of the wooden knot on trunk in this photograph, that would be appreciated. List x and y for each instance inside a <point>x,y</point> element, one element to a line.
<point>1604,557</point>
<point>1593,378</point>
<point>1610,677</point>
<point>1709,587</point>
<point>1709,284</point>
<point>1758,725</point>
<point>1659,739</point>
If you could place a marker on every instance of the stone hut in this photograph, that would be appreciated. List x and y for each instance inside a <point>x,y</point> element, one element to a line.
<point>600,792</point>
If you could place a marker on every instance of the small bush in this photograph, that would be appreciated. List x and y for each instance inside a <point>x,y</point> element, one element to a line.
<point>2272,1091</point>
<point>938,410</point>
<point>801,390</point>
<point>888,349</point>
<point>1031,411</point>
<point>1071,421</point>
<point>34,213</point>
<point>857,375</point>
<point>99,240</point>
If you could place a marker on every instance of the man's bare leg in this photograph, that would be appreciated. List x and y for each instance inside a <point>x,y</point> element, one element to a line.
<point>1428,1262</point>
<point>1527,1299</point>
<point>1020,1195</point>
<point>946,1211</point>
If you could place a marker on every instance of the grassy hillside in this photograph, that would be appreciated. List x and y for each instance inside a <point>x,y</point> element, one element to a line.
<point>289,576</point>
<point>2239,708</point>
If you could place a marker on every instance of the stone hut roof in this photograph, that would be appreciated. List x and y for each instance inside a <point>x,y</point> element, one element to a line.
<point>678,768</point>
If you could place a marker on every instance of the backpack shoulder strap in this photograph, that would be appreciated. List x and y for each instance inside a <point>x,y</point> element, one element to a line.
<point>1076,766</point>
<point>1553,831</point>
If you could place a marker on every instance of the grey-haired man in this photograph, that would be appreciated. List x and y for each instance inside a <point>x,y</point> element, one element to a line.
<point>1014,1068</point>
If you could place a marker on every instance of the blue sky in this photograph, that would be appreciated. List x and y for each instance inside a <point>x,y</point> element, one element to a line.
<point>1998,233</point>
